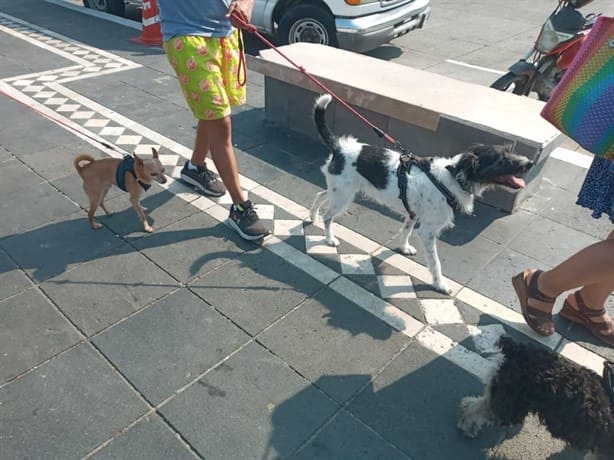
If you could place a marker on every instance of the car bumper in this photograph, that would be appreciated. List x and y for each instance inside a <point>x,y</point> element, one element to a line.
<point>368,32</point>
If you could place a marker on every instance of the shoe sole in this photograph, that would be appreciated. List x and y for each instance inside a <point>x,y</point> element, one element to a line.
<point>199,186</point>
<point>245,236</point>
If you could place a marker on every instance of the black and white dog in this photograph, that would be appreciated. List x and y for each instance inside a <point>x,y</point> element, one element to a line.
<point>354,166</point>
<point>571,401</point>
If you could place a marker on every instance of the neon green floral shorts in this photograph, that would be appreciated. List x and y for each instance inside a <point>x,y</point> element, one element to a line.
<point>207,69</point>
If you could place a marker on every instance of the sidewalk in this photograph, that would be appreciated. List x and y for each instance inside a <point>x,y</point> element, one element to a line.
<point>190,342</point>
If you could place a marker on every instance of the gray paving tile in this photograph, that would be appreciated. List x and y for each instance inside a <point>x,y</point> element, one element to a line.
<point>163,209</point>
<point>549,242</point>
<point>149,439</point>
<point>169,344</point>
<point>20,186</point>
<point>255,290</point>
<point>31,331</point>
<point>330,336</point>
<point>413,405</point>
<point>253,406</point>
<point>462,260</point>
<point>346,438</point>
<point>532,441</point>
<point>563,210</point>
<point>193,246</point>
<point>12,279</point>
<point>495,280</point>
<point>56,247</point>
<point>37,134</point>
<point>105,290</point>
<point>66,407</point>
<point>4,155</point>
<point>58,161</point>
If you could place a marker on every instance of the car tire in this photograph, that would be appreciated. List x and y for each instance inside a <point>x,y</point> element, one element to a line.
<point>116,7</point>
<point>307,23</point>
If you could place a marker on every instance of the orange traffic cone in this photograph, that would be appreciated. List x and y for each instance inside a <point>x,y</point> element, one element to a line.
<point>151,33</point>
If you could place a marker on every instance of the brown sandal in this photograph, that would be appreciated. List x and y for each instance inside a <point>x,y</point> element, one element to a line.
<point>603,330</point>
<point>536,314</point>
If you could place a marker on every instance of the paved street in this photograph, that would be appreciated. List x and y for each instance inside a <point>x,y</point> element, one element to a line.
<point>191,343</point>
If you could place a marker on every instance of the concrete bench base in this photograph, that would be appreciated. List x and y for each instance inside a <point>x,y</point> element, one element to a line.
<point>427,113</point>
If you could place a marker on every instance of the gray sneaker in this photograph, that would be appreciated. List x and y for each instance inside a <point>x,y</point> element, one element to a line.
<point>247,223</point>
<point>203,179</point>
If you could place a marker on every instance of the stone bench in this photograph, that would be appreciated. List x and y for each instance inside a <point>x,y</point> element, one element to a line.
<point>427,113</point>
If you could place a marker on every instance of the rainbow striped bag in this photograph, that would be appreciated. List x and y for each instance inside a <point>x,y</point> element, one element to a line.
<point>582,104</point>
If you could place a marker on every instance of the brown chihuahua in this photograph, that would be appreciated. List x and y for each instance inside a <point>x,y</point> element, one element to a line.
<point>132,175</point>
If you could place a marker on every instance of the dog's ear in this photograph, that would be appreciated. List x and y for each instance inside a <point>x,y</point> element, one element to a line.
<point>466,165</point>
<point>154,152</point>
<point>137,159</point>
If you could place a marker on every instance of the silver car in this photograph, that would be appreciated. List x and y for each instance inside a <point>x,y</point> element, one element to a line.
<point>357,25</point>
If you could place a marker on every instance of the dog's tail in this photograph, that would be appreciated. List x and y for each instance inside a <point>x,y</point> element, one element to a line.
<point>81,158</point>
<point>318,115</point>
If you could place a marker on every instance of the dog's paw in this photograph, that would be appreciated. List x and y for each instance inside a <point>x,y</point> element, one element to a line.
<point>332,241</point>
<point>443,287</point>
<point>149,229</point>
<point>143,208</point>
<point>408,250</point>
<point>313,217</point>
<point>96,226</point>
<point>468,423</point>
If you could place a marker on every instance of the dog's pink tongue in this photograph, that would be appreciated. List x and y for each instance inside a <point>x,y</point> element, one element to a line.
<point>517,182</point>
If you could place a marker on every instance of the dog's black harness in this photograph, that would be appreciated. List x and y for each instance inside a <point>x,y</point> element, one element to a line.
<point>408,159</point>
<point>127,165</point>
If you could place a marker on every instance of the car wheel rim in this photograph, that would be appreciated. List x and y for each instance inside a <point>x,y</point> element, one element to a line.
<point>309,32</point>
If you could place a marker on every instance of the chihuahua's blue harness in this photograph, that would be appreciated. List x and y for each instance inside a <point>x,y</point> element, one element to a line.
<point>127,165</point>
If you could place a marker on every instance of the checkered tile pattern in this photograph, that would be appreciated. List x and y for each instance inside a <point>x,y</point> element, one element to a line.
<point>394,285</point>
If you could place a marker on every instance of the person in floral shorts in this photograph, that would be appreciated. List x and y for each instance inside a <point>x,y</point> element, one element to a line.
<point>204,50</point>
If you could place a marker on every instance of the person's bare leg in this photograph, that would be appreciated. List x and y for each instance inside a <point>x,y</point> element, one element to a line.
<point>218,134</point>
<point>596,294</point>
<point>593,265</point>
<point>201,145</point>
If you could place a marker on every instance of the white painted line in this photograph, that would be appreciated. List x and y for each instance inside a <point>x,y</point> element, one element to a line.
<point>459,355</point>
<point>51,49</point>
<point>441,311</point>
<point>581,355</point>
<point>390,314</point>
<point>97,14</point>
<point>75,128</point>
<point>570,156</point>
<point>477,67</point>
<point>396,287</point>
<point>301,260</point>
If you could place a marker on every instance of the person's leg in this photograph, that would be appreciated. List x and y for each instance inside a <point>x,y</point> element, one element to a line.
<point>218,133</point>
<point>593,265</point>
<point>592,269</point>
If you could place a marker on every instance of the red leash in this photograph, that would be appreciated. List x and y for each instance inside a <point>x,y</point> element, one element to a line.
<point>240,22</point>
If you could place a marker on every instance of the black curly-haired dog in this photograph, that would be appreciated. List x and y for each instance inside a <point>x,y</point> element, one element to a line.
<point>570,400</point>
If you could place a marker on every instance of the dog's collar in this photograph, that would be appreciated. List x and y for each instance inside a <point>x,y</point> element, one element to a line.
<point>406,161</point>
<point>127,165</point>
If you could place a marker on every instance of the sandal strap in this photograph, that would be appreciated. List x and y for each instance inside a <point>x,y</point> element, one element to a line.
<point>534,292</point>
<point>585,309</point>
